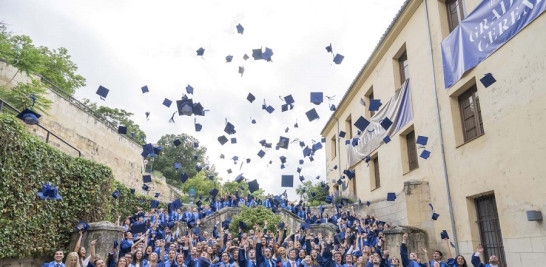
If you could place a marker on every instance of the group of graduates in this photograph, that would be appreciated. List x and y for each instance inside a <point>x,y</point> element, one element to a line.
<point>154,239</point>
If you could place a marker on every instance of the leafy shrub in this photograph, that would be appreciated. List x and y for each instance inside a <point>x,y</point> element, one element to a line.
<point>252,216</point>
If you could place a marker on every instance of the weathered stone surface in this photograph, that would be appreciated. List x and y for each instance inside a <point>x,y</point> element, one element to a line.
<point>103,232</point>
<point>25,262</point>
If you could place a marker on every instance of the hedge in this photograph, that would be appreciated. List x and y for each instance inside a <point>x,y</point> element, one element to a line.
<point>30,226</point>
<point>252,216</point>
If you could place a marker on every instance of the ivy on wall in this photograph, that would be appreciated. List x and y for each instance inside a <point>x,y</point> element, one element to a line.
<point>30,226</point>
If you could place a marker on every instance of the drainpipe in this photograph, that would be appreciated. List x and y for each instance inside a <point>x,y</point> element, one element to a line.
<point>440,132</point>
<point>338,148</point>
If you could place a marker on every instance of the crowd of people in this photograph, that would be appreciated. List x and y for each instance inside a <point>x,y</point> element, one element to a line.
<point>154,238</point>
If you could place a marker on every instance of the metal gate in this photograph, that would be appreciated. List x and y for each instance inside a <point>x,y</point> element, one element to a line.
<point>490,232</point>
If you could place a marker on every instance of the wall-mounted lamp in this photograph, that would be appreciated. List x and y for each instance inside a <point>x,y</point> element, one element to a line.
<point>534,215</point>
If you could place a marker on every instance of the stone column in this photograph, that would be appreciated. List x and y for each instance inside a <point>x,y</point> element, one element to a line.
<point>104,233</point>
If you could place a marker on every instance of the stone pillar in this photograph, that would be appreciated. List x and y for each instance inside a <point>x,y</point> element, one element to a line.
<point>104,233</point>
<point>25,262</point>
<point>417,240</point>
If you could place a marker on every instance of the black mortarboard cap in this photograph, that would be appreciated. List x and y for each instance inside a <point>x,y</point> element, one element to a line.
<point>374,104</point>
<point>386,123</point>
<point>183,177</point>
<point>242,225</point>
<point>177,142</point>
<point>138,228</point>
<point>361,123</point>
<point>289,99</point>
<point>391,196</point>
<point>226,223</point>
<point>144,89</point>
<point>222,139</point>
<point>444,235</point>
<point>329,48</point>
<point>312,114</point>
<point>261,154</point>
<point>342,134</point>
<point>213,192</point>
<point>257,54</point>
<point>387,139</point>
<point>29,117</point>
<point>240,28</point>
<point>230,128</point>
<point>229,171</point>
<point>116,194</point>
<point>287,181</point>
<point>253,186</point>
<point>316,98</point>
<point>198,126</point>
<point>250,97</point>
<point>167,102</point>
<point>176,204</point>
<point>122,129</point>
<point>425,154</point>
<point>81,226</point>
<point>229,58</point>
<point>157,194</point>
<point>338,58</point>
<point>184,107</point>
<point>154,204</point>
<point>200,51</point>
<point>488,80</point>
<point>283,142</point>
<point>435,216</point>
<point>245,57</point>
<point>198,109</point>
<point>328,199</point>
<point>422,140</point>
<point>132,190</point>
<point>145,187</point>
<point>267,54</point>
<point>189,89</point>
<point>146,178</point>
<point>102,91</point>
<point>234,140</point>
<point>269,109</point>
<point>239,178</point>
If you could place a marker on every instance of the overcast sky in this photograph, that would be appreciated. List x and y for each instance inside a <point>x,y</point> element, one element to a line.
<point>124,45</point>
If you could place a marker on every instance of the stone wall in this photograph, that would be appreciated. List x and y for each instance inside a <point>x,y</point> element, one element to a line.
<point>97,141</point>
<point>25,262</point>
<point>103,232</point>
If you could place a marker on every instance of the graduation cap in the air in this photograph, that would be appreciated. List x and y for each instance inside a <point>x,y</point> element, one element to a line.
<point>222,139</point>
<point>191,224</point>
<point>355,141</point>
<point>230,128</point>
<point>198,126</point>
<point>198,168</point>
<point>213,192</point>
<point>132,190</point>
<point>386,123</point>
<point>283,142</point>
<point>312,115</point>
<point>434,214</point>
<point>122,129</point>
<point>229,58</point>
<point>487,80</point>
<point>167,102</point>
<point>361,123</point>
<point>242,225</point>
<point>177,142</point>
<point>329,48</point>
<point>183,177</point>
<point>374,104</point>
<point>316,98</point>
<point>391,196</point>
<point>154,204</point>
<point>261,153</point>
<point>240,28</point>
<point>176,204</point>
<point>200,51</point>
<point>116,194</point>
<point>147,113</point>
<point>425,154</point>
<point>229,171</point>
<point>189,89</point>
<point>49,192</point>
<point>145,187</point>
<point>241,70</point>
<point>350,174</point>
<point>144,89</point>
<point>338,58</point>
<point>287,181</point>
<point>422,140</point>
<point>387,139</point>
<point>253,186</point>
<point>267,54</point>
<point>184,106</point>
<point>239,178</point>
<point>444,235</point>
<point>29,117</point>
<point>146,178</point>
<point>157,194</point>
<point>257,54</point>
<point>81,226</point>
<point>328,199</point>
<point>250,97</point>
<point>342,134</point>
<point>102,92</point>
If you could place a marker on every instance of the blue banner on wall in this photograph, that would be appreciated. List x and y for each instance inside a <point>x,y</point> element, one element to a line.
<point>488,27</point>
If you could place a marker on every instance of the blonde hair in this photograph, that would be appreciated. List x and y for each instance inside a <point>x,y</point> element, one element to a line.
<point>72,255</point>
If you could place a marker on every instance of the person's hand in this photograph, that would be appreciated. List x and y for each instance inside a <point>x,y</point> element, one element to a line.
<point>480,248</point>
<point>425,250</point>
<point>93,242</point>
<point>386,253</point>
<point>419,261</point>
<point>81,232</point>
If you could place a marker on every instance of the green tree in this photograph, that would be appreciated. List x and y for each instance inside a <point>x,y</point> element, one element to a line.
<point>252,216</point>
<point>230,187</point>
<point>201,183</point>
<point>186,154</point>
<point>118,117</point>
<point>20,96</point>
<point>60,70</point>
<point>308,197</point>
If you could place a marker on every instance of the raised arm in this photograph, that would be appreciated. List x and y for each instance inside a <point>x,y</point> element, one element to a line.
<point>78,243</point>
<point>404,250</point>
<point>427,261</point>
<point>92,245</point>
<point>448,248</point>
<point>476,261</point>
